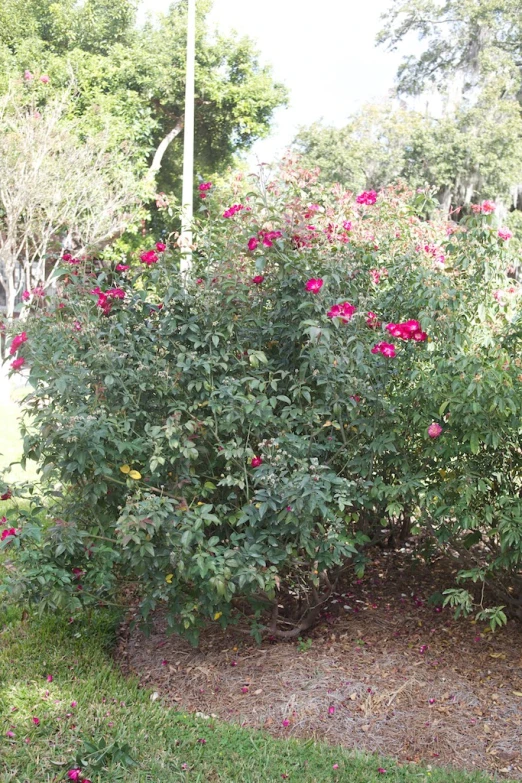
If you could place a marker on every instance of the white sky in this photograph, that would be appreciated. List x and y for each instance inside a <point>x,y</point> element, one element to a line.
<point>322,50</point>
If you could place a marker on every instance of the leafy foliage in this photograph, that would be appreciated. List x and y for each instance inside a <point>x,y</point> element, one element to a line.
<point>332,372</point>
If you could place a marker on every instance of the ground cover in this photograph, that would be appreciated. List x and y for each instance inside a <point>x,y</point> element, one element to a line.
<point>386,671</point>
<point>89,701</point>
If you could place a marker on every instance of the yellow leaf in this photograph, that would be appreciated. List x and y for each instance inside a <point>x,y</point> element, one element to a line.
<point>200,503</point>
<point>497,655</point>
<point>327,424</point>
<point>516,693</point>
<point>169,578</point>
<point>217,615</point>
<point>125,468</point>
<point>134,474</point>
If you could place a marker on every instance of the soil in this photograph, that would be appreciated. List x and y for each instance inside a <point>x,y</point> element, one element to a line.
<point>385,671</point>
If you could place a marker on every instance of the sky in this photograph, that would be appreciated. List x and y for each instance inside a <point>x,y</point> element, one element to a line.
<point>322,50</point>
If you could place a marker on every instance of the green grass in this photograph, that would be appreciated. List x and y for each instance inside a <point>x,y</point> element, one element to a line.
<point>115,710</point>
<point>11,443</point>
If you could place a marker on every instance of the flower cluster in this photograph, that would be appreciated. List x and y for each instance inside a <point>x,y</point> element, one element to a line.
<point>38,292</point>
<point>268,237</point>
<point>233,210</point>
<point>19,362</point>
<point>486,208</point>
<point>344,311</point>
<point>409,330</point>
<point>149,257</point>
<point>435,252</point>
<point>203,188</point>
<point>9,531</point>
<point>376,275</point>
<point>76,776</point>
<point>18,340</point>
<point>69,259</point>
<point>387,349</point>
<point>106,298</point>
<point>366,197</point>
<point>372,321</point>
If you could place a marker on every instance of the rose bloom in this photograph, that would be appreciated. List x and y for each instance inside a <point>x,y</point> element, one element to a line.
<point>148,257</point>
<point>17,363</point>
<point>252,243</point>
<point>367,197</point>
<point>161,247</point>
<point>231,211</point>
<point>18,340</point>
<point>9,531</point>
<point>314,285</point>
<point>258,279</point>
<point>504,233</point>
<point>344,311</point>
<point>387,349</point>
<point>434,430</point>
<point>372,321</point>
<point>256,462</point>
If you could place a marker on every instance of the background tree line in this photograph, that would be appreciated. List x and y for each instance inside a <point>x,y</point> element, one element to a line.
<point>467,143</point>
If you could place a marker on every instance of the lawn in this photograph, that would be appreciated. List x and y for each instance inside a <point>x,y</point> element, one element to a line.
<point>11,442</point>
<point>89,701</point>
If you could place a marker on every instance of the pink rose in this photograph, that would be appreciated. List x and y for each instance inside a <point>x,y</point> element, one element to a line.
<point>387,349</point>
<point>17,363</point>
<point>18,340</point>
<point>148,257</point>
<point>252,243</point>
<point>258,279</point>
<point>314,285</point>
<point>344,311</point>
<point>231,211</point>
<point>367,197</point>
<point>28,76</point>
<point>372,321</point>
<point>8,532</point>
<point>504,233</point>
<point>256,462</point>
<point>434,430</point>
<point>44,78</point>
<point>122,267</point>
<point>161,247</point>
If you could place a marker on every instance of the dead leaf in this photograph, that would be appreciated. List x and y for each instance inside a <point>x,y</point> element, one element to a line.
<point>497,655</point>
<point>366,727</point>
<point>516,693</point>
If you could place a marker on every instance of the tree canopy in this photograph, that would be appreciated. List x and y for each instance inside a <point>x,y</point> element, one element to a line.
<point>131,78</point>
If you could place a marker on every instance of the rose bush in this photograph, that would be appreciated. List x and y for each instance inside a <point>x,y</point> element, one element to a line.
<point>335,371</point>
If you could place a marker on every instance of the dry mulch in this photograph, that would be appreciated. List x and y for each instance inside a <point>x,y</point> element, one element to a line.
<point>385,671</point>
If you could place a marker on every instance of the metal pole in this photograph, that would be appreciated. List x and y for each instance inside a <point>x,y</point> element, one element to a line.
<point>188,143</point>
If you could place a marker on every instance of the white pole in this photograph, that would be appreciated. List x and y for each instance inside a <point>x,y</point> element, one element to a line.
<point>188,143</point>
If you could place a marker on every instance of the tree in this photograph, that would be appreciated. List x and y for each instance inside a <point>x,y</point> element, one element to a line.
<point>480,41</point>
<point>56,193</point>
<point>369,152</point>
<point>135,76</point>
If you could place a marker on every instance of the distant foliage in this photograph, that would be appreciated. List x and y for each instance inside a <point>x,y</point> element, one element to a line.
<point>335,371</point>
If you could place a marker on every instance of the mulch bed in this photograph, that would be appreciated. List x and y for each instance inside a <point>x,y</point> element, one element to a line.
<point>385,672</point>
